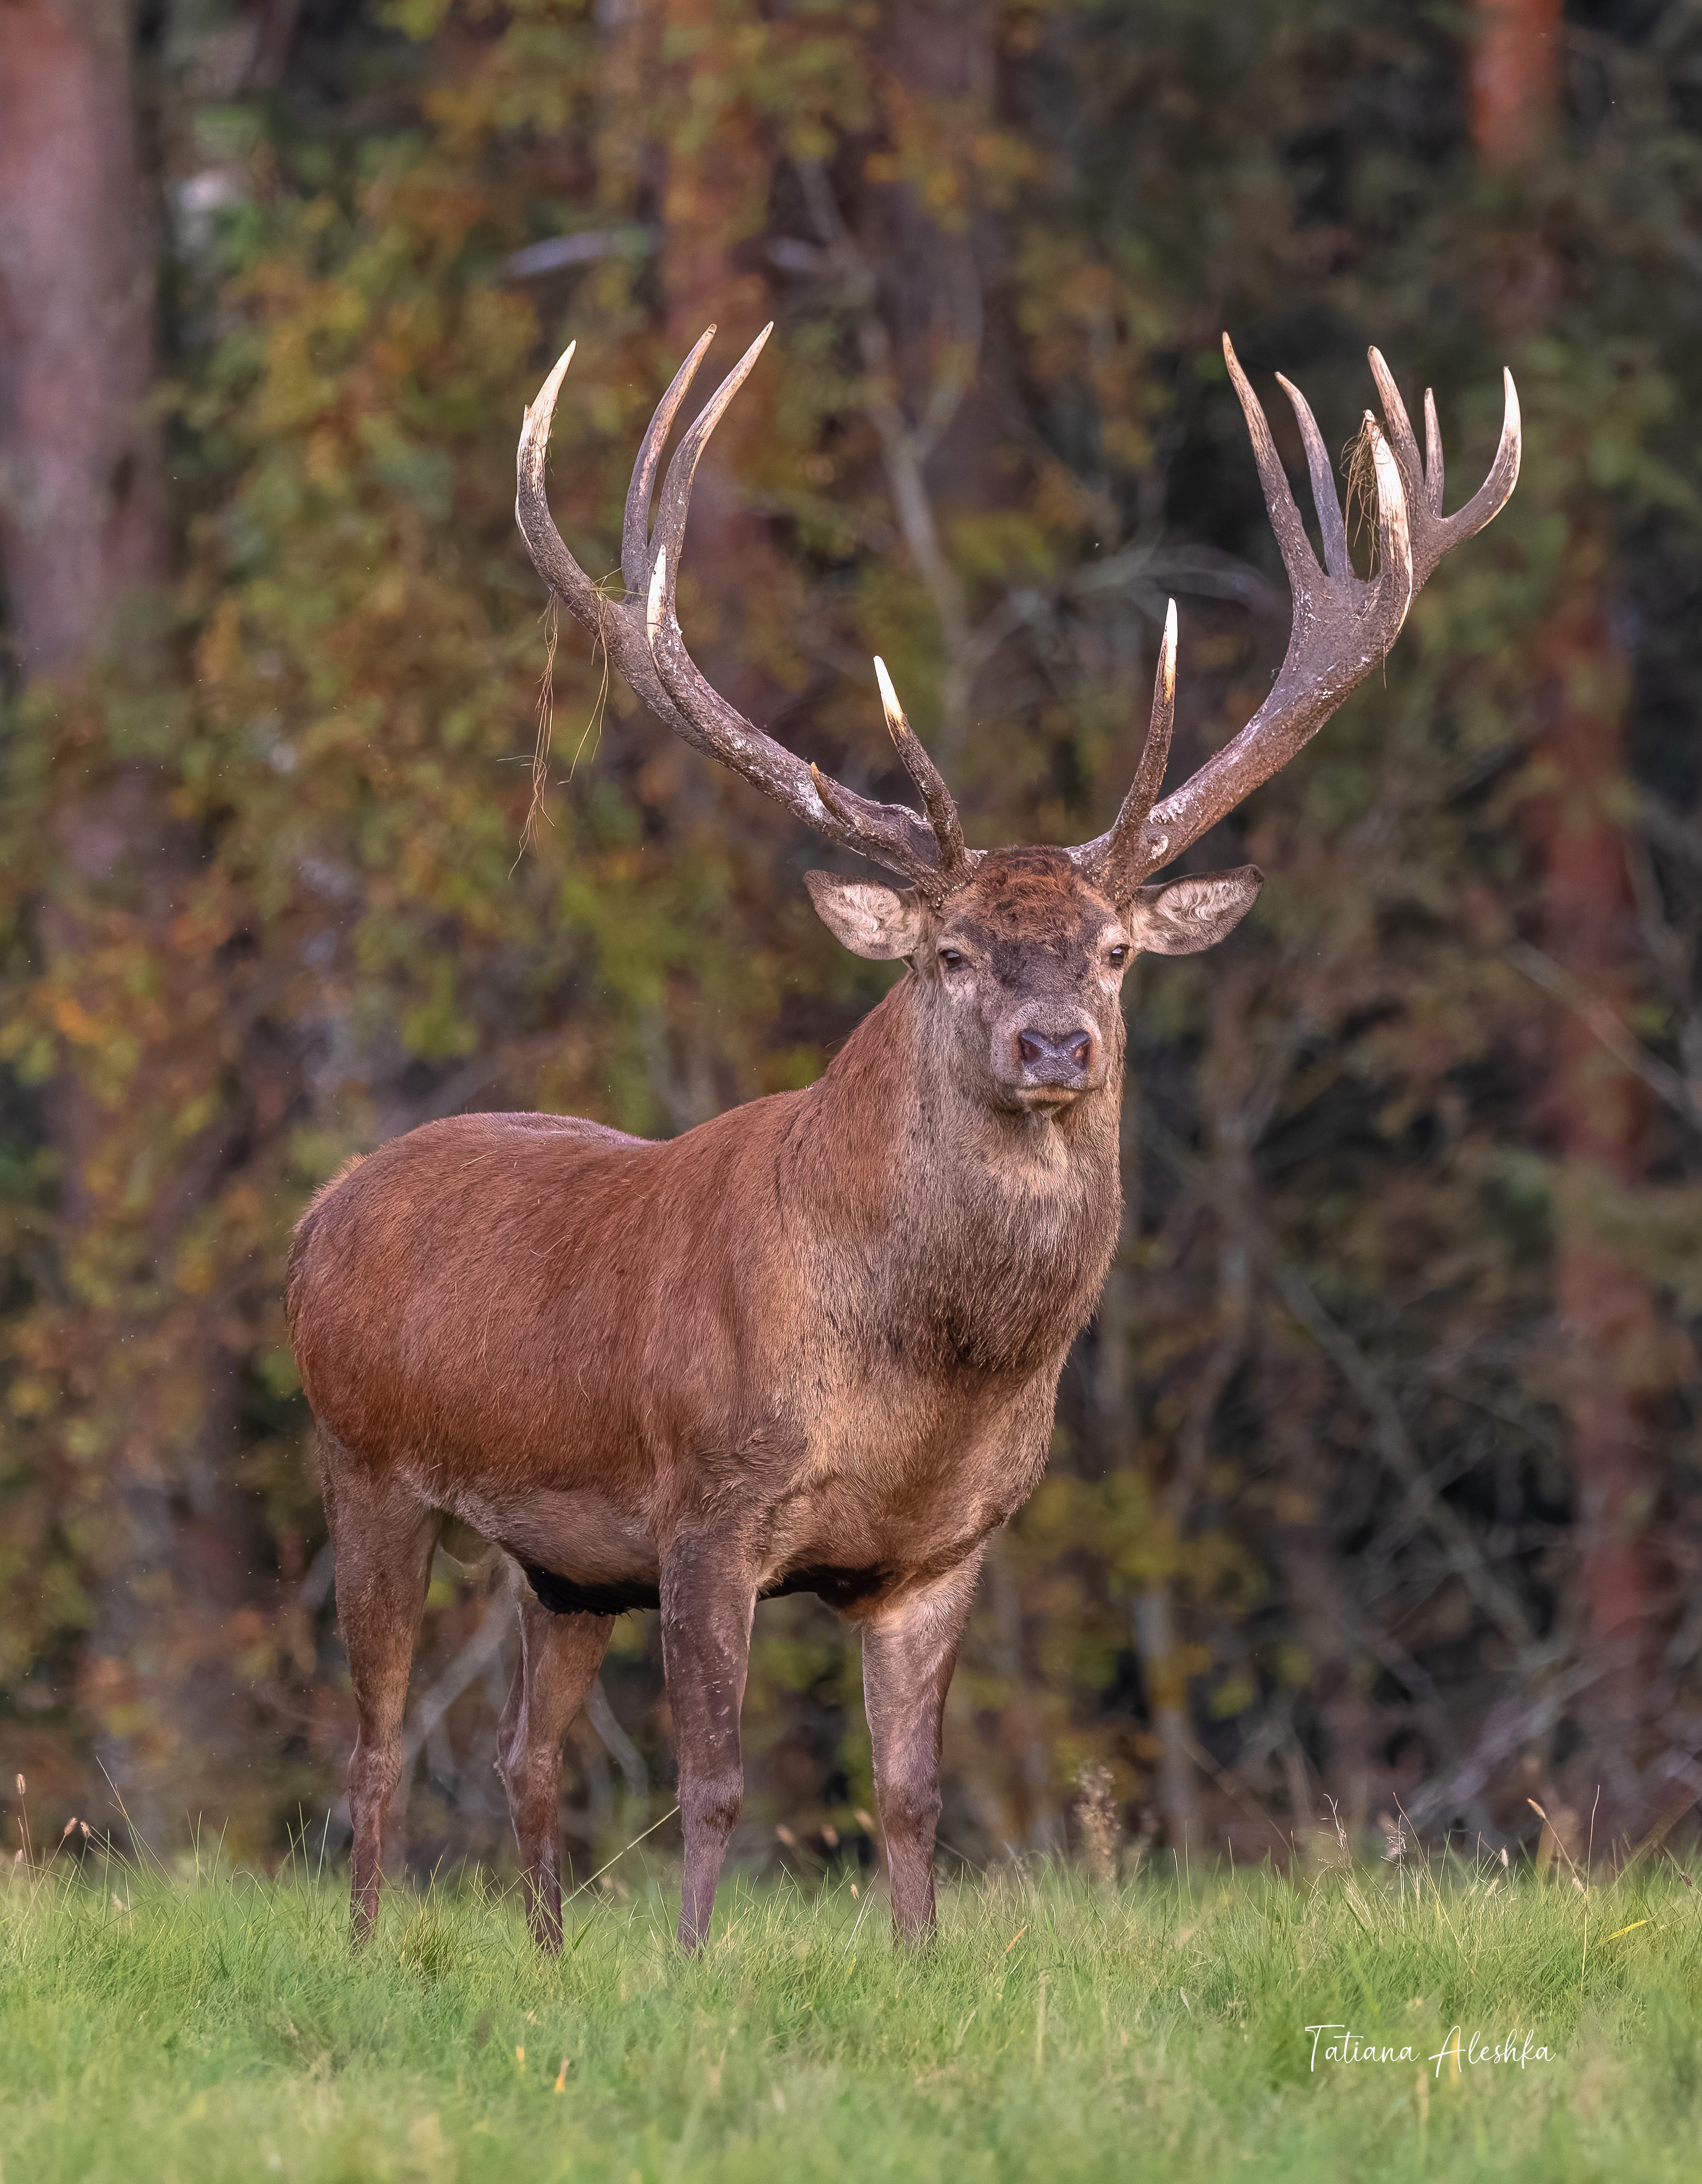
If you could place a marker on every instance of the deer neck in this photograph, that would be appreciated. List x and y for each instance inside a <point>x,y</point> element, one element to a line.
<point>985,1235</point>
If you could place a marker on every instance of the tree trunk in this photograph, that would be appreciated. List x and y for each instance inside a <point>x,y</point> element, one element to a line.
<point>1514,78</point>
<point>1593,1112</point>
<point>1597,1115</point>
<point>83,537</point>
<point>82,510</point>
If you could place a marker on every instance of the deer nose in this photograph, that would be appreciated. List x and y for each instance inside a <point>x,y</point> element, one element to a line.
<point>1054,1058</point>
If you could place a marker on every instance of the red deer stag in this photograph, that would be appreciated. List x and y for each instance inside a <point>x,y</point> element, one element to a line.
<point>813,1345</point>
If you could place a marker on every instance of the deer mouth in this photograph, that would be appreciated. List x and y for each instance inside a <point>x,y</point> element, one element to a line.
<point>1038,1099</point>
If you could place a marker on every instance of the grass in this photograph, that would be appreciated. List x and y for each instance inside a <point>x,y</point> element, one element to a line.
<point>218,2028</point>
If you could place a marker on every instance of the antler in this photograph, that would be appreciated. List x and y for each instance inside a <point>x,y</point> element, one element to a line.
<point>1342,627</point>
<point>641,634</point>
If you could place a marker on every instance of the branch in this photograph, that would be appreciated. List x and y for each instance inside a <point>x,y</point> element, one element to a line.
<point>1509,1727</point>
<point>480,1650</point>
<point>556,254</point>
<point>1608,1027</point>
<point>616,1742</point>
<point>1668,829</point>
<point>1389,1434</point>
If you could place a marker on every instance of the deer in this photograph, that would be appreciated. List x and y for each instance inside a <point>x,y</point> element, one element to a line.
<point>813,1345</point>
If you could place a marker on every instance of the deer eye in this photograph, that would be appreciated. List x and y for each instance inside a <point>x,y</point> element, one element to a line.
<point>1119,956</point>
<point>951,957</point>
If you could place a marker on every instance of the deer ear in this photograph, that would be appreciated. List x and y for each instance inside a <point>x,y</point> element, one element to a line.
<point>869,919</point>
<point>1180,917</point>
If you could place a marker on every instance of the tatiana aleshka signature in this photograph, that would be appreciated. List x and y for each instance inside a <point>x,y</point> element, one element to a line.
<point>1461,2050</point>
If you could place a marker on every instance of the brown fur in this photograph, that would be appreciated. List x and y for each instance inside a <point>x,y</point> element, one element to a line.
<point>814,1343</point>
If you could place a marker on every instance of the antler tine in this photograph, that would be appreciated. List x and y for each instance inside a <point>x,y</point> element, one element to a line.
<point>635,529</point>
<point>956,861</point>
<point>1332,527</point>
<point>1490,498</point>
<point>675,501</point>
<point>550,558</point>
<point>1432,456</point>
<point>1298,557</point>
<point>1432,533</point>
<point>1122,842</point>
<point>1399,430</point>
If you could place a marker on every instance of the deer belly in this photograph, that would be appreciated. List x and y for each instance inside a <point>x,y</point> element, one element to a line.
<point>847,1590</point>
<point>581,1553</point>
<point>882,1518</point>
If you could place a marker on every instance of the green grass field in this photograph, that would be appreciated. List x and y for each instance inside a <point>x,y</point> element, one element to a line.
<point>218,2028</point>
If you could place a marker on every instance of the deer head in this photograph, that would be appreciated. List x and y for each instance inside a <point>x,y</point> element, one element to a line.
<point>1020,969</point>
<point>1020,953</point>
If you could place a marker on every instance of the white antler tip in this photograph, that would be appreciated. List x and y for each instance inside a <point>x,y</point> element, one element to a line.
<point>889,699</point>
<point>658,577</point>
<point>1169,650</point>
<point>540,411</point>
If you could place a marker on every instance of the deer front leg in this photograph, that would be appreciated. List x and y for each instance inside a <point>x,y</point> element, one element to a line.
<point>559,1657</point>
<point>707,1599</point>
<point>908,1653</point>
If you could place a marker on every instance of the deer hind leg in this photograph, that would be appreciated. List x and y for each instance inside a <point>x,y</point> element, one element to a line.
<point>381,1538</point>
<point>559,1657</point>
<point>707,1605</point>
<point>909,1654</point>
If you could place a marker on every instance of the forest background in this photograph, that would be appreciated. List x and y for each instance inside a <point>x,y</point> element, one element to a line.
<point>1377,1478</point>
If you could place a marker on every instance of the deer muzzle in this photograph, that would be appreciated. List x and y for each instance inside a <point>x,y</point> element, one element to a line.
<point>1050,1064</point>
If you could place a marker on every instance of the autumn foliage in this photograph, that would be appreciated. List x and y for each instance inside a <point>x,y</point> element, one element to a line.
<point>1376,1477</point>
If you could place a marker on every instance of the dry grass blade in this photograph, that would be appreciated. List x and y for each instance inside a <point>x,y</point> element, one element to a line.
<point>1359,493</point>
<point>536,813</point>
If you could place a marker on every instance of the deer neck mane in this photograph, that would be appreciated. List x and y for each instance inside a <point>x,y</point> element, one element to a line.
<point>984,1235</point>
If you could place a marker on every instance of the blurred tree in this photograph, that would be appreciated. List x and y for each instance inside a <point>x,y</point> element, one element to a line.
<point>86,546</point>
<point>1594,1110</point>
<point>83,519</point>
